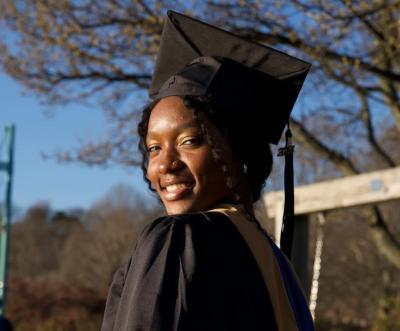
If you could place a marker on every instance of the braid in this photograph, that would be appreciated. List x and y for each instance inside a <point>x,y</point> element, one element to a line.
<point>197,114</point>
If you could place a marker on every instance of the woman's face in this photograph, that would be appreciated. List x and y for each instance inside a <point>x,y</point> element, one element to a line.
<point>181,166</point>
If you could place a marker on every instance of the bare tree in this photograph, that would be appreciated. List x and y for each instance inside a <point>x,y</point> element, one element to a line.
<point>64,50</point>
<point>355,50</point>
<point>90,257</point>
<point>34,245</point>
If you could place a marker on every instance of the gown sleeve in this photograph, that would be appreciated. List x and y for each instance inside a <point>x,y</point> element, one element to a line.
<point>190,272</point>
<point>114,296</point>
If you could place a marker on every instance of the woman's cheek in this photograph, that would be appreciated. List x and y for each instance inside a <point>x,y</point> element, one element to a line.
<point>151,173</point>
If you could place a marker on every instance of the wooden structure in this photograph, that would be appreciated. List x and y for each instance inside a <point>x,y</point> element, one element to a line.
<point>369,188</point>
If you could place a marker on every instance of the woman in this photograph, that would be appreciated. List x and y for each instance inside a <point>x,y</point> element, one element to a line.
<point>205,138</point>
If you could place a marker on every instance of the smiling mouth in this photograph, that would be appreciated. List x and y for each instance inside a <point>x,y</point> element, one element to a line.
<point>177,187</point>
<point>177,191</point>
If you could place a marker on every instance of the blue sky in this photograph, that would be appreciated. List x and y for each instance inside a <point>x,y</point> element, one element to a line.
<point>64,186</point>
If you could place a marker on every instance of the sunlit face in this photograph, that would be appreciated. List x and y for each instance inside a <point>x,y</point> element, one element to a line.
<point>181,166</point>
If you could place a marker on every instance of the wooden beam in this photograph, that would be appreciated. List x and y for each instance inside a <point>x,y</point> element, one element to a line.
<point>300,251</point>
<point>369,188</point>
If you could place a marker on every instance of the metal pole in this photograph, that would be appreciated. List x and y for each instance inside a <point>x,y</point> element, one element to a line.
<point>6,217</point>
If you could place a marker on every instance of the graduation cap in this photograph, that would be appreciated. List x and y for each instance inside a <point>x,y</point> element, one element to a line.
<point>254,85</point>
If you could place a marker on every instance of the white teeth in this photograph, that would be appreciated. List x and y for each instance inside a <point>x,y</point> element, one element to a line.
<point>175,187</point>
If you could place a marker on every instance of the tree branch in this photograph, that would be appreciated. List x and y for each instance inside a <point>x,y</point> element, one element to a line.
<point>392,97</point>
<point>314,52</point>
<point>363,18</point>
<point>386,243</point>
<point>59,77</point>
<point>344,164</point>
<point>366,117</point>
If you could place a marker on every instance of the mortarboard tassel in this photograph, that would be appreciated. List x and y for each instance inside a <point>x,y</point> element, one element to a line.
<point>287,231</point>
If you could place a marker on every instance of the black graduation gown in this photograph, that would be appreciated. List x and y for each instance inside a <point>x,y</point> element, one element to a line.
<point>190,272</point>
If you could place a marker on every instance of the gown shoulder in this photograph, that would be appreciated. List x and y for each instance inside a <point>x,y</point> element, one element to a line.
<point>190,272</point>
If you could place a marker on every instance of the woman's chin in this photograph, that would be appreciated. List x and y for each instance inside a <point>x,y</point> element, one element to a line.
<point>182,206</point>
<point>190,203</point>
<point>178,207</point>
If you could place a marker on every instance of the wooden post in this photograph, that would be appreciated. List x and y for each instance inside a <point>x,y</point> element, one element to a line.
<point>300,251</point>
<point>351,191</point>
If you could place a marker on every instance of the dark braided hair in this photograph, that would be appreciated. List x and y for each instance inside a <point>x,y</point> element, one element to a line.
<point>250,148</point>
<point>210,140</point>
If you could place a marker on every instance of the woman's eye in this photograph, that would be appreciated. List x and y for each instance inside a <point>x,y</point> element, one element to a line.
<point>191,141</point>
<point>152,149</point>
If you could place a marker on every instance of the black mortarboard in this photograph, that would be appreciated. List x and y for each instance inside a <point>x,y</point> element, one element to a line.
<point>256,85</point>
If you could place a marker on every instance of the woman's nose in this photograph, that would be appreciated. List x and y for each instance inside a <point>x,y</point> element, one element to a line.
<point>169,162</point>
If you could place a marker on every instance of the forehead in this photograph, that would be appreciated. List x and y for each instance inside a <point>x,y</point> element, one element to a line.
<point>172,106</point>
<point>170,113</point>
